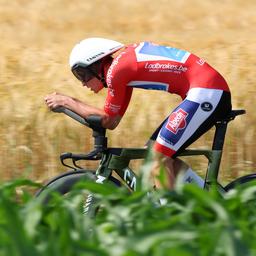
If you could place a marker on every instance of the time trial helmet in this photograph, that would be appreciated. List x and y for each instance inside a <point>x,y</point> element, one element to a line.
<point>86,55</point>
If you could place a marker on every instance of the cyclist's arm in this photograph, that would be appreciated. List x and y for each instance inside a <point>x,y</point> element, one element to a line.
<point>83,109</point>
<point>55,100</point>
<point>122,71</point>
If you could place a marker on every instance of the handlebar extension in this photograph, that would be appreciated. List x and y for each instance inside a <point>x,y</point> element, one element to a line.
<point>93,155</point>
<point>92,121</point>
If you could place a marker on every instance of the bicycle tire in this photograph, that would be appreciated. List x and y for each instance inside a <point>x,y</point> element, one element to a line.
<point>64,183</point>
<point>240,181</point>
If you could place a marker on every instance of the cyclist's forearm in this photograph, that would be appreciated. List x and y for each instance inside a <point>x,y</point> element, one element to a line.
<point>81,108</point>
<point>85,110</point>
<point>56,100</point>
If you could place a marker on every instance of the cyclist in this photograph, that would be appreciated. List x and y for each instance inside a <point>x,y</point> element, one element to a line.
<point>205,95</point>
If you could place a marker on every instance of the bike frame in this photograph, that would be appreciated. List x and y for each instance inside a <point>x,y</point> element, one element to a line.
<point>118,159</point>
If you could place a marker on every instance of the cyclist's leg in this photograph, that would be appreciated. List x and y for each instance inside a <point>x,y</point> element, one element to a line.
<point>192,118</point>
<point>171,166</point>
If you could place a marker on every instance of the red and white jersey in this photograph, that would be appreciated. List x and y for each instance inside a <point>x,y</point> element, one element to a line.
<point>150,66</point>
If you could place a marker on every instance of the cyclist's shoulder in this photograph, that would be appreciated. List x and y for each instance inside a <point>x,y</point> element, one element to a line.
<point>124,60</point>
<point>122,69</point>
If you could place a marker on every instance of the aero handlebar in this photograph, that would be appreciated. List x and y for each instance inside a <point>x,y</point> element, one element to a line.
<point>99,132</point>
<point>92,121</point>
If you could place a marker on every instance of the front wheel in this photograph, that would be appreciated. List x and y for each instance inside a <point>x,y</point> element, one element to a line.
<point>64,183</point>
<point>244,180</point>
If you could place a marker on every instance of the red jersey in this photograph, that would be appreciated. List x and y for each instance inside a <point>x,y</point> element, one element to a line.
<point>156,67</point>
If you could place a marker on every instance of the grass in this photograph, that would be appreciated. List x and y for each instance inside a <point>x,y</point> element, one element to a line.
<point>36,41</point>
<point>192,222</point>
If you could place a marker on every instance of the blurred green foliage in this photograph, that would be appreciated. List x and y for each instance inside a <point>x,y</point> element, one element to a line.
<point>192,222</point>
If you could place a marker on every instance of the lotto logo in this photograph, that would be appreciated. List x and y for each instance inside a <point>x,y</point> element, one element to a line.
<point>177,121</point>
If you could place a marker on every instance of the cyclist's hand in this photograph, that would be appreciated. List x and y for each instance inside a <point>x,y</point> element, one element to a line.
<point>55,100</point>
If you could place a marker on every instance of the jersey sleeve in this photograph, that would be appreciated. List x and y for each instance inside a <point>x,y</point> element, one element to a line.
<point>119,74</point>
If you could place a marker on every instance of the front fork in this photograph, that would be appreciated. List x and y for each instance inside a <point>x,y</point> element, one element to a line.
<point>91,204</point>
<point>120,164</point>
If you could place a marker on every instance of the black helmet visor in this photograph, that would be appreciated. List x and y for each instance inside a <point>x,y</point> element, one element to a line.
<point>85,74</point>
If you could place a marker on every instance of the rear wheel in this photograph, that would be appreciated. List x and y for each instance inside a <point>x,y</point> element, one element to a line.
<point>241,181</point>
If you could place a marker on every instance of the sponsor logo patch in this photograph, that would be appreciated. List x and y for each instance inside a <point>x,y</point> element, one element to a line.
<point>111,68</point>
<point>95,56</point>
<point>165,67</point>
<point>170,53</point>
<point>177,121</point>
<point>206,106</point>
<point>200,62</point>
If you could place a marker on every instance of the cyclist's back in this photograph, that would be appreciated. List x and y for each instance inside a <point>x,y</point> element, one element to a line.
<point>150,66</point>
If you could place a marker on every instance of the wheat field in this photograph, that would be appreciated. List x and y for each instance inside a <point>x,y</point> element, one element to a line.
<point>36,39</point>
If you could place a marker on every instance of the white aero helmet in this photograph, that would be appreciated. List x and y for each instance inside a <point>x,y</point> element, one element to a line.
<point>91,50</point>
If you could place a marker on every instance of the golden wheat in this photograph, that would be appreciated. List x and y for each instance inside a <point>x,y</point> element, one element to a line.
<point>36,38</point>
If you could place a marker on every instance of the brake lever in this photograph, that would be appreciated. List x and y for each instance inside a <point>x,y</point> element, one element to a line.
<point>68,155</point>
<point>93,155</point>
<point>69,166</point>
<point>89,156</point>
<point>74,163</point>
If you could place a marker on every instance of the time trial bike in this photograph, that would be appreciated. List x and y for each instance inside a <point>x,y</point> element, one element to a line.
<point>114,163</point>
